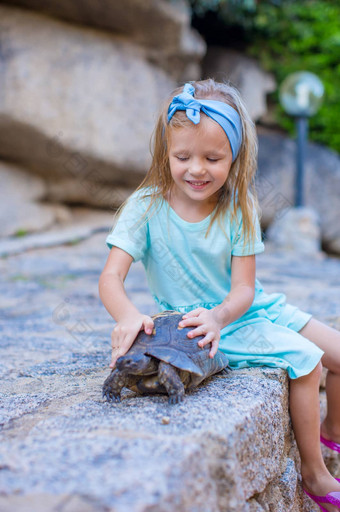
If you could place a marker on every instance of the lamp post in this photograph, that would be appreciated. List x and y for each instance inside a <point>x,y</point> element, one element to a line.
<point>301,96</point>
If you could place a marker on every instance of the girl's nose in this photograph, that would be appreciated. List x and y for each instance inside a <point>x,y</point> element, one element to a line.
<point>197,168</point>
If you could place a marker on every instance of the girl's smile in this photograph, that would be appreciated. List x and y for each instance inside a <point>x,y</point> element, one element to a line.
<point>197,185</point>
<point>200,158</point>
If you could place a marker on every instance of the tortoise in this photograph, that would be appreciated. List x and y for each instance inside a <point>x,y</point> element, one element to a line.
<point>167,361</point>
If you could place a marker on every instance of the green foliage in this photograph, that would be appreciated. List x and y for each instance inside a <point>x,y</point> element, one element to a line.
<point>231,11</point>
<point>288,36</point>
<point>20,233</point>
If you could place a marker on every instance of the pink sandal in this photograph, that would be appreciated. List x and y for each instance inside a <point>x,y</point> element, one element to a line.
<point>330,444</point>
<point>333,498</point>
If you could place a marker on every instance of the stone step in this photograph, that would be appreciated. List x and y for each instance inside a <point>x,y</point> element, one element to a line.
<point>228,447</point>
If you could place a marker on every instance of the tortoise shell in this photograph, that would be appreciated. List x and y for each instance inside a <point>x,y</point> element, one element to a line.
<point>169,343</point>
<point>167,361</point>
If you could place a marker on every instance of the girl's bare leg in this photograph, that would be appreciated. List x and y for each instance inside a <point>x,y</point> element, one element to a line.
<point>305,411</point>
<point>328,340</point>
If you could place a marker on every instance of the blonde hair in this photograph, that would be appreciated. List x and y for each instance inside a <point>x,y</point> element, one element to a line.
<point>239,186</point>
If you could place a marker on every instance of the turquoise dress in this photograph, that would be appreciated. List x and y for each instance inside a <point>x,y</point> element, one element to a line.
<point>186,269</point>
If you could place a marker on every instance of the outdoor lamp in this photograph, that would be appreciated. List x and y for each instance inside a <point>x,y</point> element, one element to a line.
<point>301,96</point>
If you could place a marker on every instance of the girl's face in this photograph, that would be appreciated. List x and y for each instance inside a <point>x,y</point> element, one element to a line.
<point>200,158</point>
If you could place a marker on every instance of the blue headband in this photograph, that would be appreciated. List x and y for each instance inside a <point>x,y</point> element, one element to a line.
<point>225,115</point>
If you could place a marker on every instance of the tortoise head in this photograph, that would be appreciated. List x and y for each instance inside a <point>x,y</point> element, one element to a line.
<point>137,364</point>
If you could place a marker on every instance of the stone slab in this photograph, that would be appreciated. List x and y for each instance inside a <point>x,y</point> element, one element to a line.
<point>227,447</point>
<point>74,98</point>
<point>79,225</point>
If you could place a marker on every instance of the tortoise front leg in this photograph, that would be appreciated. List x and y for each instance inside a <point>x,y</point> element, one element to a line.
<point>114,384</point>
<point>169,378</point>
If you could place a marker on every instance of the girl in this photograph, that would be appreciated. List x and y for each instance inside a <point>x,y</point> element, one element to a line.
<point>193,222</point>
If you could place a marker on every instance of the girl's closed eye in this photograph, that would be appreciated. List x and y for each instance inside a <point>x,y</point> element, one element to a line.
<point>182,158</point>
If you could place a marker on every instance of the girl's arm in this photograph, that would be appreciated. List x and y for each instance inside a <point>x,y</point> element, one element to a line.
<point>112,293</point>
<point>242,290</point>
<point>237,302</point>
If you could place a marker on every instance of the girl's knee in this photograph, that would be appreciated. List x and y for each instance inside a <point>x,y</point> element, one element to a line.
<point>317,372</point>
<point>319,366</point>
<point>333,366</point>
<point>314,374</point>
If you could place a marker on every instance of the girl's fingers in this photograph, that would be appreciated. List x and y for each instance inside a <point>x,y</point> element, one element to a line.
<point>148,325</point>
<point>190,322</point>
<point>113,359</point>
<point>120,346</point>
<point>214,348</point>
<point>199,331</point>
<point>122,339</point>
<point>208,338</point>
<point>116,354</point>
<point>193,313</point>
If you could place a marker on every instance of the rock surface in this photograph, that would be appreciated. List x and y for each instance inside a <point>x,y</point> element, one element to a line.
<point>245,73</point>
<point>60,442</point>
<point>73,100</point>
<point>276,183</point>
<point>79,225</point>
<point>21,209</point>
<point>163,27</point>
<point>297,230</point>
<point>74,110</point>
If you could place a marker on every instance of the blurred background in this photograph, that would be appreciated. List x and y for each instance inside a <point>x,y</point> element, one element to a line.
<point>81,82</point>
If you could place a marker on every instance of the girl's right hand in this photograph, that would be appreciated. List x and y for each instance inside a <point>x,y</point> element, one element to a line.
<point>125,332</point>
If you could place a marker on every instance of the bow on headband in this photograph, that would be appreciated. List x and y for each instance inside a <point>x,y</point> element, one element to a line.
<point>225,115</point>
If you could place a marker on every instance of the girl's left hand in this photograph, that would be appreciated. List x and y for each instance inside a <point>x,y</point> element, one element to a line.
<point>207,324</point>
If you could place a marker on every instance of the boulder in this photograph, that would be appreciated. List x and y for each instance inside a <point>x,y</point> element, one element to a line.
<point>162,26</point>
<point>91,192</point>
<point>276,183</point>
<point>245,73</point>
<point>21,209</point>
<point>77,224</point>
<point>76,103</point>
<point>28,220</point>
<point>298,230</point>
